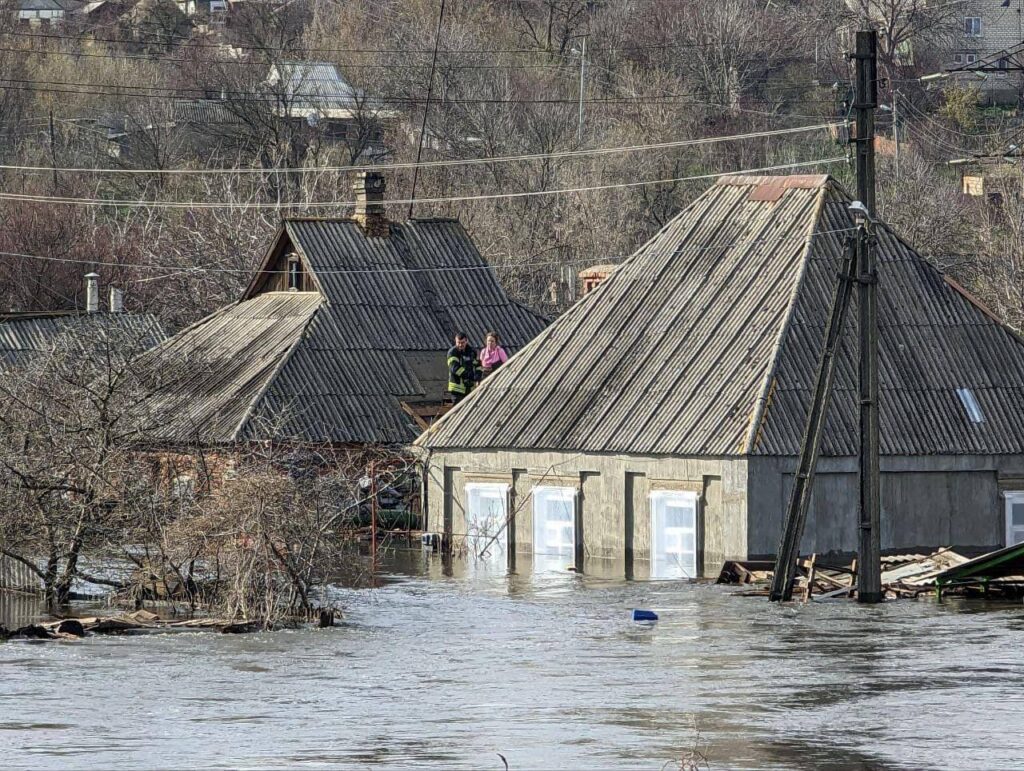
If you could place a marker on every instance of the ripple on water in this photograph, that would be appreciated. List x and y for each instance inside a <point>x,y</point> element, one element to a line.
<point>429,671</point>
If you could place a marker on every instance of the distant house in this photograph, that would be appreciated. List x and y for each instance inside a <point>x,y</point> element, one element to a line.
<point>25,335</point>
<point>47,11</point>
<point>317,94</point>
<point>346,320</point>
<point>657,422</point>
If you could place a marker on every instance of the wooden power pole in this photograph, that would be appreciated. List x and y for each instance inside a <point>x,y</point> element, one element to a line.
<point>858,266</point>
<point>869,582</point>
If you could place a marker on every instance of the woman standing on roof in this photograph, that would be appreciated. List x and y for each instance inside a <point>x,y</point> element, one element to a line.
<point>492,355</point>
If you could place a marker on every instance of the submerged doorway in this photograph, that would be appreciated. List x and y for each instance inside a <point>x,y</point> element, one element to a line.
<point>487,519</point>
<point>673,534</point>
<point>554,527</point>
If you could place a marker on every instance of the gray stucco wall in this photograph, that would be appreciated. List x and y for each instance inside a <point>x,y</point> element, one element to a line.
<point>927,501</point>
<point>614,498</point>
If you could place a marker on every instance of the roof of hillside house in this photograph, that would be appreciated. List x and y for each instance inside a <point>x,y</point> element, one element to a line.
<point>333,362</point>
<point>706,342</point>
<point>28,334</point>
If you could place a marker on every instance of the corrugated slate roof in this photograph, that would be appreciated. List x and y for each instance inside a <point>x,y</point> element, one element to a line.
<point>23,335</point>
<point>333,367</point>
<point>724,310</point>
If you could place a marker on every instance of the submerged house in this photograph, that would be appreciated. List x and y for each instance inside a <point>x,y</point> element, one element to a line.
<point>659,420</point>
<point>346,322</point>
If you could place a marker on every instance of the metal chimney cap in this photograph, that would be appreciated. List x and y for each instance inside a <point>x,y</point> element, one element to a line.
<point>92,275</point>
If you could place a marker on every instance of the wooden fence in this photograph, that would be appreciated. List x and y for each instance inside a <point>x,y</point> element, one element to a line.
<point>15,576</point>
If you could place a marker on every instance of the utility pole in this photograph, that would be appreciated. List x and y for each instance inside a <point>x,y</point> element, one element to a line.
<point>53,151</point>
<point>583,65</point>
<point>869,584</point>
<point>426,109</point>
<point>858,267</point>
<point>896,128</point>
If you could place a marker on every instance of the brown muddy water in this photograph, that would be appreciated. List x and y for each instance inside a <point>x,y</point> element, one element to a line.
<point>435,671</point>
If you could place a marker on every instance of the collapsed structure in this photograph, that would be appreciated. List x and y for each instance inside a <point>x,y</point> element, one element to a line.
<point>658,421</point>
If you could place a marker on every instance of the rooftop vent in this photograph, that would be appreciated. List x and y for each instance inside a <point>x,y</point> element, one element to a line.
<point>92,292</point>
<point>971,405</point>
<point>369,189</point>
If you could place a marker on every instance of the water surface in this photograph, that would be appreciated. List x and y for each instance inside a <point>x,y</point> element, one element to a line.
<point>430,671</point>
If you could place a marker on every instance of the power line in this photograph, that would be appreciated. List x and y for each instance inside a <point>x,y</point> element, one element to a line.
<point>188,42</point>
<point>28,198</point>
<point>285,100</point>
<point>436,164</point>
<point>178,269</point>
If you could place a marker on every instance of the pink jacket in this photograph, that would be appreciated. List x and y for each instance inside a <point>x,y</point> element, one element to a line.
<point>491,359</point>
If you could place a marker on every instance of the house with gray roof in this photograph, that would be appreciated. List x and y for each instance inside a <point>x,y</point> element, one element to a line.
<point>658,421</point>
<point>92,331</point>
<point>343,328</point>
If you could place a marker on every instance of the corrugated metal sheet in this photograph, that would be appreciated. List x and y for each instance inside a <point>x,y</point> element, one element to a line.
<point>335,367</point>
<point>726,306</point>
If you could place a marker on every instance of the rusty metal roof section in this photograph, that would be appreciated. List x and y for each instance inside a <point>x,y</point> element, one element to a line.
<point>333,365</point>
<point>706,342</point>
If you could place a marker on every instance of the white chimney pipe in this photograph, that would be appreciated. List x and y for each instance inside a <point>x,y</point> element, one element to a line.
<point>92,292</point>
<point>116,300</point>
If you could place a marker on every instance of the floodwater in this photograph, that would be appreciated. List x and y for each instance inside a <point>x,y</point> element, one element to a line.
<point>430,671</point>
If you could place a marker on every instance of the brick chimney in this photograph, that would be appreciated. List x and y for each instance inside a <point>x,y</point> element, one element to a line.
<point>369,189</point>
<point>593,276</point>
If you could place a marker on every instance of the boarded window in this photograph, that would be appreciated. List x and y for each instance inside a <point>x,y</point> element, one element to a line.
<point>554,527</point>
<point>673,534</point>
<point>486,518</point>
<point>1014,518</point>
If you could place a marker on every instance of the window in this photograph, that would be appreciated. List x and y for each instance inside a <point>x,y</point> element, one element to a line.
<point>486,515</point>
<point>1014,517</point>
<point>673,534</point>
<point>972,26</point>
<point>554,527</point>
<point>958,58</point>
<point>970,403</point>
<point>970,58</point>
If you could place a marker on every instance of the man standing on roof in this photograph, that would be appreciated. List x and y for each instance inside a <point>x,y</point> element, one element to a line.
<point>463,368</point>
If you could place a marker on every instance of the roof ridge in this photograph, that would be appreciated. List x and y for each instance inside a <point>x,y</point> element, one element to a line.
<point>768,383</point>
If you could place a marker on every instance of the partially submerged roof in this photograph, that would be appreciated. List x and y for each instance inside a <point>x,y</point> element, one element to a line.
<point>706,342</point>
<point>332,363</point>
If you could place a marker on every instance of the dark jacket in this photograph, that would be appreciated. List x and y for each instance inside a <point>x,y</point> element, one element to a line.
<point>463,370</point>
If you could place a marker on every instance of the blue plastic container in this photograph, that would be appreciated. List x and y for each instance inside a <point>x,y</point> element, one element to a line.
<point>644,615</point>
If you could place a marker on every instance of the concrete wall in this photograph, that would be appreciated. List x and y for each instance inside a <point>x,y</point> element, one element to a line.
<point>926,502</point>
<point>613,492</point>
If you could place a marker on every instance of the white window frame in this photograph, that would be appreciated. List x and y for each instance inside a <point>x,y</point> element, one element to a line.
<point>970,58</point>
<point>495,524</point>
<point>972,26</point>
<point>659,499</point>
<point>1012,497</point>
<point>544,495</point>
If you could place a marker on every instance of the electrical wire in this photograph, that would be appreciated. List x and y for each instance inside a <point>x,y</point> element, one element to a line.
<point>436,164</point>
<point>29,198</point>
<point>188,42</point>
<point>177,269</point>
